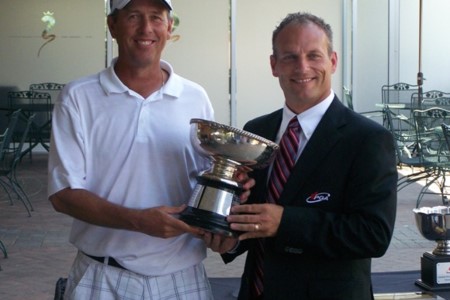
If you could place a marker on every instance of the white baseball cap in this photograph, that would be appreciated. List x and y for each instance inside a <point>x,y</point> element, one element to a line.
<point>119,4</point>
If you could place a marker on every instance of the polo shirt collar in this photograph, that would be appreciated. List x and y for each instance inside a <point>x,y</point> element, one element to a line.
<point>111,84</point>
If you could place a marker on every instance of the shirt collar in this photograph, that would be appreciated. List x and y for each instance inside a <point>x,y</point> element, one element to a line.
<point>111,84</point>
<point>309,119</point>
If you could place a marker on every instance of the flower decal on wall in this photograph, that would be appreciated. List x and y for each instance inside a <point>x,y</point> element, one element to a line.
<point>50,22</point>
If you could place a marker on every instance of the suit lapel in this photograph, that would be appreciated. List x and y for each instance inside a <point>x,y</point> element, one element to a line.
<point>326,135</point>
<point>267,127</point>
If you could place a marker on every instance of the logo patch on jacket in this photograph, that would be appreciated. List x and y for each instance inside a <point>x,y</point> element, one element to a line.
<point>318,197</point>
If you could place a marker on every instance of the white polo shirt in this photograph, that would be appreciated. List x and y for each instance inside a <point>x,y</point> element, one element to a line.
<point>132,151</point>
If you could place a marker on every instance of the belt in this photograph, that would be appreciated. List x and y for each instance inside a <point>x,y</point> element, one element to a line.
<point>111,261</point>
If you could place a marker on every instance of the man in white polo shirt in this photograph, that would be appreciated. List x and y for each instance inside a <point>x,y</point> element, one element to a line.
<point>121,163</point>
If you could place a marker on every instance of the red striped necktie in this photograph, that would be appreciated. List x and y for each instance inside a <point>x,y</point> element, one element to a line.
<point>282,166</point>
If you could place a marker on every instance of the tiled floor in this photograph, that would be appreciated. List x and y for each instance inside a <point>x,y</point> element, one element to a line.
<point>39,253</point>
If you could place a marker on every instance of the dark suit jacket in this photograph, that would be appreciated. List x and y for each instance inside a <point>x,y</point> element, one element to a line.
<point>339,210</point>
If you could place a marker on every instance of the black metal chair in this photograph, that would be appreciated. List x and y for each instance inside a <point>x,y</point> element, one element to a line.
<point>2,145</point>
<point>8,135</point>
<point>39,104</point>
<point>3,249</point>
<point>405,142</point>
<point>398,93</point>
<point>432,149</point>
<point>52,88</point>
<point>446,132</point>
<point>433,98</point>
<point>11,155</point>
<point>397,97</point>
<point>5,143</point>
<point>3,137</point>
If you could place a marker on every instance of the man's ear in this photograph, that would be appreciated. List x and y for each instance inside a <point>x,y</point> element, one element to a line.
<point>111,26</point>
<point>334,61</point>
<point>273,63</point>
<point>169,28</point>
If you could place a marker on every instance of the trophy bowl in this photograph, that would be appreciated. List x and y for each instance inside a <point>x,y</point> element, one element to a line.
<point>434,225</point>
<point>231,150</point>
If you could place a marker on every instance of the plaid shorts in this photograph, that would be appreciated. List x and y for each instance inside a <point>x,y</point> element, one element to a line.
<point>89,279</point>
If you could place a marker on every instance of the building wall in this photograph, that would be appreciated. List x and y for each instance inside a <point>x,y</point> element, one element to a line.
<point>435,43</point>
<point>383,47</point>
<point>258,92</point>
<point>202,52</point>
<point>78,47</point>
<point>369,53</point>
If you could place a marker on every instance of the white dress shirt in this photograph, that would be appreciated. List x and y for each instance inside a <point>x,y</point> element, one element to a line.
<point>308,120</point>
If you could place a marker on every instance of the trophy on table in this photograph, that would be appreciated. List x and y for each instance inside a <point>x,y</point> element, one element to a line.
<point>231,150</point>
<point>434,225</point>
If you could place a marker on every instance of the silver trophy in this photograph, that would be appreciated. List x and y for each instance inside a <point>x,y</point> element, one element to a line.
<point>434,225</point>
<point>231,150</point>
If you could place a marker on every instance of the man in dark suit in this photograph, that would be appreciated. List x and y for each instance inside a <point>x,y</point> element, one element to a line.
<point>337,209</point>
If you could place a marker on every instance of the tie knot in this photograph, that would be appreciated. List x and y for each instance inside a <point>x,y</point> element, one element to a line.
<point>294,124</point>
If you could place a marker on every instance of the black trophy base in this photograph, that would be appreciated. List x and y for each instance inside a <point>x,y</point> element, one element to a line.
<point>207,220</point>
<point>435,272</point>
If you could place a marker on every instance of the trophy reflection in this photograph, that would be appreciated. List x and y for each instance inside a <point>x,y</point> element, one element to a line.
<point>231,150</point>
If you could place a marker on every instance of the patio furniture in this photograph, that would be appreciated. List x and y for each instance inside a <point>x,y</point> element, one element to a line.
<point>399,94</point>
<point>432,149</point>
<point>433,98</point>
<point>52,88</point>
<point>5,142</point>
<point>10,157</point>
<point>405,143</point>
<point>7,136</point>
<point>3,249</point>
<point>2,143</point>
<point>39,104</point>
